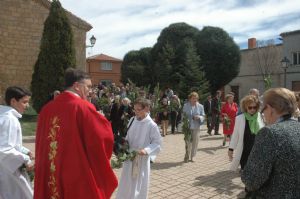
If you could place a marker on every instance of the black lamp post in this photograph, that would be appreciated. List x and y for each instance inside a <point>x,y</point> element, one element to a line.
<point>285,64</point>
<point>93,41</point>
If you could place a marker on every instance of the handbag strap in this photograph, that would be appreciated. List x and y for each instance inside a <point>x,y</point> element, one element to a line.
<point>130,125</point>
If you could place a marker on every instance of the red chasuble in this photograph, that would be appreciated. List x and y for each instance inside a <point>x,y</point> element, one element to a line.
<point>73,149</point>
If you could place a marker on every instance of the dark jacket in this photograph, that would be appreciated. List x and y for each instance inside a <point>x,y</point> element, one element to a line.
<point>273,167</point>
<point>216,106</point>
<point>207,107</point>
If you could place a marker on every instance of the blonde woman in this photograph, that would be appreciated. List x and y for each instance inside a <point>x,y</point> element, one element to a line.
<point>246,127</point>
<point>195,113</point>
<point>228,113</point>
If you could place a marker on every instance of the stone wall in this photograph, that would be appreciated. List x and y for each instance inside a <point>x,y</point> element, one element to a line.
<point>21,27</point>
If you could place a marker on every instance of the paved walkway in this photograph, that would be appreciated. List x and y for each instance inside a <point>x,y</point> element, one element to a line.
<point>207,177</point>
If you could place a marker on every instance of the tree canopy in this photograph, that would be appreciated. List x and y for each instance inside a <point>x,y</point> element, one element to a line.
<point>185,59</point>
<point>56,54</point>
<point>165,53</point>
<point>220,56</point>
<point>136,66</point>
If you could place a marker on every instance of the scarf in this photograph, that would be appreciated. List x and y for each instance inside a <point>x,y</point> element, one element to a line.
<point>253,123</point>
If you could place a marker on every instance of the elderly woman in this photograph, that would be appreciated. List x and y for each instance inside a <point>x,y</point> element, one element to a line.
<point>273,167</point>
<point>195,113</point>
<point>125,113</point>
<point>228,113</point>
<point>246,127</point>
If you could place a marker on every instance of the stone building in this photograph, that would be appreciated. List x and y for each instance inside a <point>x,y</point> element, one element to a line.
<point>291,50</point>
<point>255,62</point>
<point>105,69</point>
<point>21,27</point>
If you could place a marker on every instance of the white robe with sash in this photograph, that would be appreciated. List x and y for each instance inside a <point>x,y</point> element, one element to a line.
<point>14,184</point>
<point>134,183</point>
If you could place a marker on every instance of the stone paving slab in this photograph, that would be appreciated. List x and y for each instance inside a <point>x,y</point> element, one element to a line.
<point>207,177</point>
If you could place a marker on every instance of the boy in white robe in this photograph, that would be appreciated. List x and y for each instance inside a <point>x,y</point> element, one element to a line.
<point>144,137</point>
<point>14,182</point>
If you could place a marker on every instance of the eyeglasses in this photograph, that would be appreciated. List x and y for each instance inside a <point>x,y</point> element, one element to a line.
<point>138,109</point>
<point>252,107</point>
<point>263,109</point>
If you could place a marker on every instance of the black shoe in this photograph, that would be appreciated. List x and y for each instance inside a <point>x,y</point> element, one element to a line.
<point>217,133</point>
<point>209,132</point>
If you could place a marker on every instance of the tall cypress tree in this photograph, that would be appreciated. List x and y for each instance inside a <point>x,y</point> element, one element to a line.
<point>192,77</point>
<point>56,54</point>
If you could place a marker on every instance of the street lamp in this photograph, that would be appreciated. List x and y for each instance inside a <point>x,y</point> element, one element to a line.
<point>285,64</point>
<point>93,41</point>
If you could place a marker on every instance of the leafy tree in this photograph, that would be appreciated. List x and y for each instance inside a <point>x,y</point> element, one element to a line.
<point>192,77</point>
<point>164,52</point>
<point>56,54</point>
<point>136,66</point>
<point>164,67</point>
<point>220,56</point>
<point>146,62</point>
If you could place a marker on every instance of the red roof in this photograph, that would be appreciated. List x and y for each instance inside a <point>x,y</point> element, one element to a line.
<point>103,57</point>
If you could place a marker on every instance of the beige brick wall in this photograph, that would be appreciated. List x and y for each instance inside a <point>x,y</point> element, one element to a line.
<point>21,27</point>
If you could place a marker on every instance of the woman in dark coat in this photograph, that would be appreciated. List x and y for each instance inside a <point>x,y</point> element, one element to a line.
<point>273,167</point>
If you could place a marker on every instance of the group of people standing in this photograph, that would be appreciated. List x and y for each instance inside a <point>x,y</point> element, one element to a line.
<point>74,143</point>
<point>265,144</point>
<point>264,138</point>
<point>216,111</point>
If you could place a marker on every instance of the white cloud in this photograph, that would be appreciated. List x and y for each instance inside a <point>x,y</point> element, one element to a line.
<point>124,25</point>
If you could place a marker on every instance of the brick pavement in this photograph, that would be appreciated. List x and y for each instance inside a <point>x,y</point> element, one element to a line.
<point>207,177</point>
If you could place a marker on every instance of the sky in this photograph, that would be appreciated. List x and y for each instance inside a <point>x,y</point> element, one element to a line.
<point>124,25</point>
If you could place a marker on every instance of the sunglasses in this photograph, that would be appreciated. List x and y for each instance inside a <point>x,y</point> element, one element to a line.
<point>252,107</point>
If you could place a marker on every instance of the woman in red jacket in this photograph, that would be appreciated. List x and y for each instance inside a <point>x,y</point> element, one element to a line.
<point>228,112</point>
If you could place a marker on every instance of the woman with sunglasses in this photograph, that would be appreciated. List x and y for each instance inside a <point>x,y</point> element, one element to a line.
<point>273,167</point>
<point>246,127</point>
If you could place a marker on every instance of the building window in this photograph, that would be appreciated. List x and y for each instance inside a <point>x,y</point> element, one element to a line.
<point>296,58</point>
<point>106,66</point>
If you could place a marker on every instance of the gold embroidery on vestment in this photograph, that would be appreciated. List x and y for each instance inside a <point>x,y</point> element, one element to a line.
<point>54,128</point>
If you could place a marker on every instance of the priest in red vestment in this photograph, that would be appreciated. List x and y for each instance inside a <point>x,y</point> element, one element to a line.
<point>73,146</point>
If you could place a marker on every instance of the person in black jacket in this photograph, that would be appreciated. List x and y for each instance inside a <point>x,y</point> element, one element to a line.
<point>115,116</point>
<point>208,113</point>
<point>273,167</point>
<point>216,111</point>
